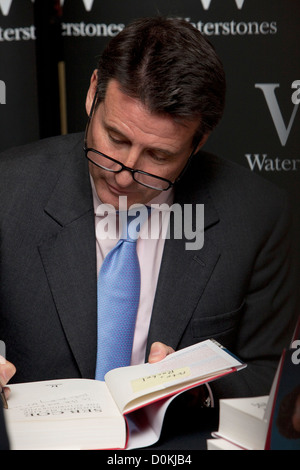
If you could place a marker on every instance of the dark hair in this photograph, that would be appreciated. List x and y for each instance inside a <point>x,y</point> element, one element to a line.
<point>170,67</point>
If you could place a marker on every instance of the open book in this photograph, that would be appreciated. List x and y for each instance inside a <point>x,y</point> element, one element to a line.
<point>125,411</point>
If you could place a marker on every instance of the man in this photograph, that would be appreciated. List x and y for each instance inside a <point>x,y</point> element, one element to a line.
<point>152,103</point>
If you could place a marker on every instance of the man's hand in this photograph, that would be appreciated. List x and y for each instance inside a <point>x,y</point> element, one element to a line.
<point>158,352</point>
<point>7,371</point>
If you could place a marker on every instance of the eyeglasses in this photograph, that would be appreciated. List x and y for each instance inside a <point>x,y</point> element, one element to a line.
<point>114,166</point>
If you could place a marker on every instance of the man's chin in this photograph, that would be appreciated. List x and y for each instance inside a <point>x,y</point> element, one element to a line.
<point>120,202</point>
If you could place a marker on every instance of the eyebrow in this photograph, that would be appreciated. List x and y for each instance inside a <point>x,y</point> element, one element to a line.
<point>110,128</point>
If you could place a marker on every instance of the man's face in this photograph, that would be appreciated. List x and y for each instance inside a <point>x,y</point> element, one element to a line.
<point>125,130</point>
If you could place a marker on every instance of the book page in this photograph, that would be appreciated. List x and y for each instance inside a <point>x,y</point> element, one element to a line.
<point>183,367</point>
<point>145,424</point>
<point>71,413</point>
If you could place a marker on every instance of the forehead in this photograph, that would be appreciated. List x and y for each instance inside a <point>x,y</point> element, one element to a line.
<point>133,119</point>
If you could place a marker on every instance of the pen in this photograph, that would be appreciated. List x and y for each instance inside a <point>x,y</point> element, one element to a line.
<point>3,398</point>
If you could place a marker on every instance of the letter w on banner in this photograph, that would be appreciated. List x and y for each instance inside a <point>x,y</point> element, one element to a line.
<point>87,3</point>
<point>5,5</point>
<point>206,4</point>
<point>283,132</point>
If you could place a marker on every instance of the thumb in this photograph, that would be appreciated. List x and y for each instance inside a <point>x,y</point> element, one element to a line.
<point>159,351</point>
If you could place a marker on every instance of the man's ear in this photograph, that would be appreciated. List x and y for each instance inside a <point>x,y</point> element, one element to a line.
<point>91,92</point>
<point>202,142</point>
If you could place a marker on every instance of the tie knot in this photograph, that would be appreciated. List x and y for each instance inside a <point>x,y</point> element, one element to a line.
<point>132,222</point>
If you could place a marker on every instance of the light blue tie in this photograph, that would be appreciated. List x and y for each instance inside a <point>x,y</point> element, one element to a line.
<point>118,300</point>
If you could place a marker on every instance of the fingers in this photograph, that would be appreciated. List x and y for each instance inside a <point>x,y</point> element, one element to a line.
<point>159,351</point>
<point>7,371</point>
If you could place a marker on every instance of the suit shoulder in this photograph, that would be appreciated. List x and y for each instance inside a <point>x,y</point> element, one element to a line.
<point>236,192</point>
<point>224,176</point>
<point>35,168</point>
<point>44,148</point>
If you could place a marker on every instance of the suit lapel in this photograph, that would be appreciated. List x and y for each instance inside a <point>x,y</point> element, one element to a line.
<point>184,273</point>
<point>69,259</point>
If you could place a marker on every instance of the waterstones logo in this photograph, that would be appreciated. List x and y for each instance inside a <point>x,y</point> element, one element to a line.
<point>206,3</point>
<point>2,92</point>
<point>262,162</point>
<point>5,5</point>
<point>268,89</point>
<point>232,27</point>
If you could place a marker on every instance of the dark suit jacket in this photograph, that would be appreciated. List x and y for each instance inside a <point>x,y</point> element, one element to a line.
<point>4,443</point>
<point>234,289</point>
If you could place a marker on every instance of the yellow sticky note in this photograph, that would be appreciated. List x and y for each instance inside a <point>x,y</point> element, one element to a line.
<point>158,379</point>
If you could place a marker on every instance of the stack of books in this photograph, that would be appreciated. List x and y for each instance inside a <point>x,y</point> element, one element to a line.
<point>269,422</point>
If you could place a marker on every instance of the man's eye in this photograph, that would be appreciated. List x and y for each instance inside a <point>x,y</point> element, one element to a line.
<point>116,140</point>
<point>158,158</point>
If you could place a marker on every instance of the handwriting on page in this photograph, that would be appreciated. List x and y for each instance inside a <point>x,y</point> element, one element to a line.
<point>159,379</point>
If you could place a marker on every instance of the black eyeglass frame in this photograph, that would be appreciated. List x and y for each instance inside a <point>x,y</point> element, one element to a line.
<point>124,167</point>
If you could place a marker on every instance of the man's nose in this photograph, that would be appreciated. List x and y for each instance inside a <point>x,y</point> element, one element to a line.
<point>124,178</point>
<point>130,160</point>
